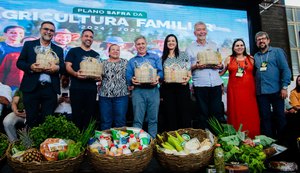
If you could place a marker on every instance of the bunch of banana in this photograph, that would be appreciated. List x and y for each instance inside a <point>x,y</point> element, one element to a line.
<point>171,143</point>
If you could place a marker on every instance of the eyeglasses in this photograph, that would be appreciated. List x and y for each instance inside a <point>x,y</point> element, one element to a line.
<point>48,29</point>
<point>263,38</point>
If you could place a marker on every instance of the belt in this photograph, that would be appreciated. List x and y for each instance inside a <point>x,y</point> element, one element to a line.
<point>146,86</point>
<point>44,83</point>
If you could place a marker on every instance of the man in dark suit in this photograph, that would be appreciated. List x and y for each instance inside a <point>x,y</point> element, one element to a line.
<point>40,85</point>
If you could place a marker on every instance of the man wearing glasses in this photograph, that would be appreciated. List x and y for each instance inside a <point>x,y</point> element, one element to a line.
<point>272,79</point>
<point>40,85</point>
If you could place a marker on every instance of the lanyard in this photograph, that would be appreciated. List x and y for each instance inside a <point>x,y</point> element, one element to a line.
<point>267,58</point>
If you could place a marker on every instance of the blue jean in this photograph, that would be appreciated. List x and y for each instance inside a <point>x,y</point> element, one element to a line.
<point>145,100</point>
<point>265,101</point>
<point>113,110</point>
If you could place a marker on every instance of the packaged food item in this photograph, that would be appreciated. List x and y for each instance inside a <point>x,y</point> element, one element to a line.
<point>144,138</point>
<point>283,166</point>
<point>133,130</point>
<point>113,148</point>
<point>192,144</point>
<point>103,142</point>
<point>132,139</point>
<point>126,150</point>
<point>123,138</point>
<point>51,146</point>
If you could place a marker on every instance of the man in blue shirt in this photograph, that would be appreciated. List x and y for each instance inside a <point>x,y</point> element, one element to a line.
<point>14,34</point>
<point>145,97</point>
<point>272,79</point>
<point>207,82</point>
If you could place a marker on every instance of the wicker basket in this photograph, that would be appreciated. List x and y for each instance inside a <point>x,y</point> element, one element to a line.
<point>175,74</point>
<point>90,67</point>
<point>3,157</point>
<point>136,162</point>
<point>60,166</point>
<point>45,60</point>
<point>186,163</point>
<point>145,73</point>
<point>209,57</point>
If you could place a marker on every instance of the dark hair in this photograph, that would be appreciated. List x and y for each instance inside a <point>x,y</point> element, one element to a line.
<point>112,46</point>
<point>297,88</point>
<point>233,52</point>
<point>11,27</point>
<point>83,31</point>
<point>166,50</point>
<point>47,22</point>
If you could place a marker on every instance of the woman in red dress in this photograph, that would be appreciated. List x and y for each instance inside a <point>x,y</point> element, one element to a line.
<point>241,98</point>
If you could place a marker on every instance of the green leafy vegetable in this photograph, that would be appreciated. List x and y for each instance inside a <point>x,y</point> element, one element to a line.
<point>235,150</point>
<point>264,140</point>
<point>3,144</point>
<point>54,127</point>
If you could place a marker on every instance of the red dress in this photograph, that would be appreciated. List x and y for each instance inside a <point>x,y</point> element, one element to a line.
<point>241,98</point>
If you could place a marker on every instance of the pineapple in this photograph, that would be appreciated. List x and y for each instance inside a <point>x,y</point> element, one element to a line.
<point>31,154</point>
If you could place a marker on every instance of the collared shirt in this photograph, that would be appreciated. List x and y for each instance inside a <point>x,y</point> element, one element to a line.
<point>138,60</point>
<point>276,76</point>
<point>45,77</point>
<point>203,77</point>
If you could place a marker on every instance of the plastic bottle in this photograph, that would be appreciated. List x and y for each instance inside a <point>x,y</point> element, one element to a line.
<point>103,142</point>
<point>140,148</point>
<point>219,159</point>
<point>132,139</point>
<point>126,150</point>
<point>144,138</point>
<point>113,148</point>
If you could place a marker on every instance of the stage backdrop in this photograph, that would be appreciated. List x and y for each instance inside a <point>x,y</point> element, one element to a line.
<point>113,22</point>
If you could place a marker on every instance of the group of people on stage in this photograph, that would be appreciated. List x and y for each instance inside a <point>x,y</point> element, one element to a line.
<point>257,86</point>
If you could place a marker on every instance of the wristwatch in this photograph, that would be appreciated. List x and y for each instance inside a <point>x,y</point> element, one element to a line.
<point>285,87</point>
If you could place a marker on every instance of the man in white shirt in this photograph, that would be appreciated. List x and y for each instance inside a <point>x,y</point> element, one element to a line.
<point>207,82</point>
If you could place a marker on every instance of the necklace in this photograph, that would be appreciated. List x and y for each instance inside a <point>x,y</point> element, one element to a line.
<point>239,62</point>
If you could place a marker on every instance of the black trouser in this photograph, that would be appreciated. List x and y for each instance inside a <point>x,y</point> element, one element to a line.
<point>175,104</point>
<point>83,103</point>
<point>39,103</point>
<point>209,100</point>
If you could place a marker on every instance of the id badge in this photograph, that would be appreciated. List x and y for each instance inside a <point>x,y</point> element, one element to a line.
<point>240,72</point>
<point>263,66</point>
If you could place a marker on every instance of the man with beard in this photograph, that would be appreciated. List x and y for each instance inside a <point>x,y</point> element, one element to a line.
<point>40,86</point>
<point>272,79</point>
<point>207,83</point>
<point>83,90</point>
